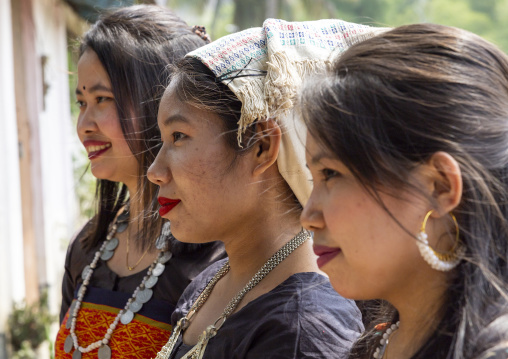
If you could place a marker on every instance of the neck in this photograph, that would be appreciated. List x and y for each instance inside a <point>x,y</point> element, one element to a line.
<point>248,251</point>
<point>419,315</point>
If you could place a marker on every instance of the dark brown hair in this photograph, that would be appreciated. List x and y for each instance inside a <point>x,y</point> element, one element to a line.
<point>135,45</point>
<point>391,102</point>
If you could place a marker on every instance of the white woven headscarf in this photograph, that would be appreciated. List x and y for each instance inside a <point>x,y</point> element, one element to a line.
<point>265,67</point>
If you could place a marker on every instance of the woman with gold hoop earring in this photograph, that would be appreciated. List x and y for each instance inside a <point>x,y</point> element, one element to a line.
<point>408,148</point>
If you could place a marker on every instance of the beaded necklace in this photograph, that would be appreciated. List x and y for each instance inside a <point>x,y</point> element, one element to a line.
<point>142,294</point>
<point>383,343</point>
<point>198,350</point>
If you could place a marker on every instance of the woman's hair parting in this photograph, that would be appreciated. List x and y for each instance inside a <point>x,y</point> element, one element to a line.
<point>391,102</point>
<point>136,45</point>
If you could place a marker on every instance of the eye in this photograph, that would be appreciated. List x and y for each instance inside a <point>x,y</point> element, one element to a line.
<point>100,99</point>
<point>328,173</point>
<point>80,103</point>
<point>178,136</point>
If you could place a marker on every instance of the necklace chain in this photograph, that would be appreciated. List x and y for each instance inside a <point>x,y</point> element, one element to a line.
<point>198,350</point>
<point>127,255</point>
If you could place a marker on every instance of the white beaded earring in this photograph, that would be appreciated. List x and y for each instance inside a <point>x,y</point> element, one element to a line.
<point>440,261</point>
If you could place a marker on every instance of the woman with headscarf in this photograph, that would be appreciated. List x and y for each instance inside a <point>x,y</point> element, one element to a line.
<point>231,168</point>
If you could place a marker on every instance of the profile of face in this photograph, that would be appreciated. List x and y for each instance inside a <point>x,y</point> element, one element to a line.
<point>98,125</point>
<point>205,190</point>
<point>365,252</point>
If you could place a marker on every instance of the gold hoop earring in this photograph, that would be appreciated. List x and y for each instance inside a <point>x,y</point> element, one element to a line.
<point>443,262</point>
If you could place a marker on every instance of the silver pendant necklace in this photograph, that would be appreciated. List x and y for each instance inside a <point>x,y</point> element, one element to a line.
<point>142,294</point>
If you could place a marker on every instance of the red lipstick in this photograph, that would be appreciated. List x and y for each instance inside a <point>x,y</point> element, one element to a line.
<point>96,148</point>
<point>325,254</point>
<point>167,204</point>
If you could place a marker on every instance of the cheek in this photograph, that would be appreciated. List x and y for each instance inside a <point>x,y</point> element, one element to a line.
<point>201,167</point>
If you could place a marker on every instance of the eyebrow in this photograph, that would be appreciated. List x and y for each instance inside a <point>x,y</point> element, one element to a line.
<point>94,88</point>
<point>321,155</point>
<point>175,118</point>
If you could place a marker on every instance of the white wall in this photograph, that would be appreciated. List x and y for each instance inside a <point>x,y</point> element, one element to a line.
<point>57,140</point>
<point>12,285</point>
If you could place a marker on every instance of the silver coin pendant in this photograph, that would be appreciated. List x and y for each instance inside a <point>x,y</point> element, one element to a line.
<point>106,255</point>
<point>104,352</point>
<point>122,227</point>
<point>71,312</point>
<point>69,344</point>
<point>127,317</point>
<point>158,270</point>
<point>76,355</point>
<point>123,217</point>
<point>151,281</point>
<point>135,306</point>
<point>85,271</point>
<point>166,256</point>
<point>144,295</point>
<point>112,244</point>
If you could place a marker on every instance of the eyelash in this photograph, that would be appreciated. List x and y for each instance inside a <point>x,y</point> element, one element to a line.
<point>99,99</point>
<point>329,174</point>
<point>177,136</point>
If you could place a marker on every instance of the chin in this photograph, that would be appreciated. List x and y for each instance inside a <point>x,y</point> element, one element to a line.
<point>99,173</point>
<point>188,237</point>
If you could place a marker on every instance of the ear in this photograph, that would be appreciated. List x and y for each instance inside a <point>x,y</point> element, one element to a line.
<point>446,181</point>
<point>266,149</point>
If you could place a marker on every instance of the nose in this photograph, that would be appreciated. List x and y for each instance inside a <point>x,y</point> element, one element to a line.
<point>312,215</point>
<point>86,123</point>
<point>158,173</point>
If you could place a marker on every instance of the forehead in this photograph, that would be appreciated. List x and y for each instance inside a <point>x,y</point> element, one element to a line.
<point>171,107</point>
<point>90,69</point>
<point>312,146</point>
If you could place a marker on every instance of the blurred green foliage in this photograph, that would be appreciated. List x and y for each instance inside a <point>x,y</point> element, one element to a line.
<point>483,17</point>
<point>29,327</point>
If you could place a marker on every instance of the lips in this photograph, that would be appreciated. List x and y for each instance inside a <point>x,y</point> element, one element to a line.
<point>96,148</point>
<point>167,204</point>
<point>325,254</point>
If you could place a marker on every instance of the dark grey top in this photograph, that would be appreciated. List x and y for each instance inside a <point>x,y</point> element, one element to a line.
<point>303,317</point>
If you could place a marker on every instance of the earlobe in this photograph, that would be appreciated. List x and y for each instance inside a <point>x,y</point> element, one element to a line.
<point>447,181</point>
<point>269,136</point>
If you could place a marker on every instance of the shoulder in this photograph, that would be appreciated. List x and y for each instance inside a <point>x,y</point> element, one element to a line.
<point>303,317</point>
<point>310,291</point>
<point>307,315</point>
<point>193,290</point>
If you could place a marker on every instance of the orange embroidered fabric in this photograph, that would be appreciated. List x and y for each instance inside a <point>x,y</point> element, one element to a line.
<point>141,338</point>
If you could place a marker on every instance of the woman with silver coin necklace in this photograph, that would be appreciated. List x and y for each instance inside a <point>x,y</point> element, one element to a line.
<point>124,272</point>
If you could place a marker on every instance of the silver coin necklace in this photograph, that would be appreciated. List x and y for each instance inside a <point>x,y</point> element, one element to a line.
<point>141,295</point>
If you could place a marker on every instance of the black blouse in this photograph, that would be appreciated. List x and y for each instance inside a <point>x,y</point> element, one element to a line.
<point>303,317</point>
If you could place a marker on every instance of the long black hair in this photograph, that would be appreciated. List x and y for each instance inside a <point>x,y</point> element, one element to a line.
<point>135,45</point>
<point>389,104</point>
